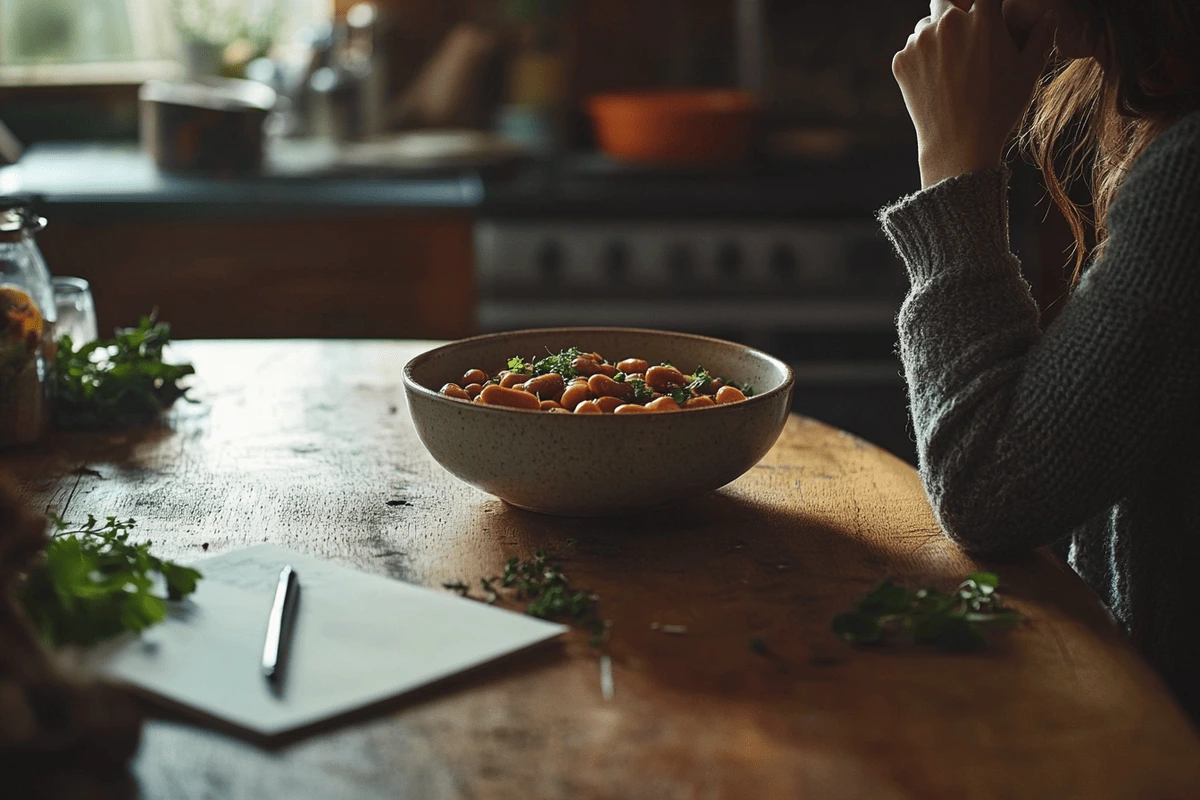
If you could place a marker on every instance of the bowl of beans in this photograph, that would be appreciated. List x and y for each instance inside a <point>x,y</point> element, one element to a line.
<point>597,421</point>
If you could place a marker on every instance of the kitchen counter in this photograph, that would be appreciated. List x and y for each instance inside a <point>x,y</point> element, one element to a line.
<point>119,180</point>
<point>105,180</point>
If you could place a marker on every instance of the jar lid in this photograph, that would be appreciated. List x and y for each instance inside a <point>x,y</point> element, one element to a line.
<point>11,220</point>
<point>16,215</point>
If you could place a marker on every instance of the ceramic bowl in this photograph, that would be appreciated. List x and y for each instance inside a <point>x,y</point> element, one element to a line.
<point>598,465</point>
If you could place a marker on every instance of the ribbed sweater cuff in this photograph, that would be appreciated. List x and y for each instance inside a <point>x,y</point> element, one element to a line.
<point>960,223</point>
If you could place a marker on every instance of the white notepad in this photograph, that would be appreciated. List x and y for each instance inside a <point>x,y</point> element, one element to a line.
<point>358,639</point>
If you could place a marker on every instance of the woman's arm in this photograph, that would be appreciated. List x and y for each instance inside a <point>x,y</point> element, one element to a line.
<point>1024,435</point>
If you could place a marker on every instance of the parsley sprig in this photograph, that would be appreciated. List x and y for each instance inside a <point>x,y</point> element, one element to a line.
<point>92,583</point>
<point>952,622</point>
<point>117,381</point>
<point>545,589</point>
<point>641,392</point>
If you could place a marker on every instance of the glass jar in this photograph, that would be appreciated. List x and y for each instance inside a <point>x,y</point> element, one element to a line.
<point>27,316</point>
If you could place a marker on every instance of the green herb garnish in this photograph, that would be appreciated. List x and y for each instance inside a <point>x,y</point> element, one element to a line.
<point>951,622</point>
<point>699,381</point>
<point>619,377</point>
<point>559,363</point>
<point>117,381</point>
<point>92,583</point>
<point>517,364</point>
<point>546,591</point>
<point>641,393</point>
<point>681,395</point>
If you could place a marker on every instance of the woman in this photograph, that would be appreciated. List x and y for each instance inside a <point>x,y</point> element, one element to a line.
<point>1091,428</point>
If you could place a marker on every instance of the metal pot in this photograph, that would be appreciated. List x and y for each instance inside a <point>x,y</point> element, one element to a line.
<point>214,125</point>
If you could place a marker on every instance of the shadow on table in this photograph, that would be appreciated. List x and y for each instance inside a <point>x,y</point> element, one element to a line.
<point>720,595</point>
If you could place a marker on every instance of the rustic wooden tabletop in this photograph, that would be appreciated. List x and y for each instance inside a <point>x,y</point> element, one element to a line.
<point>309,444</point>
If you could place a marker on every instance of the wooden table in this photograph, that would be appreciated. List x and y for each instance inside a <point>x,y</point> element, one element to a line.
<point>309,444</point>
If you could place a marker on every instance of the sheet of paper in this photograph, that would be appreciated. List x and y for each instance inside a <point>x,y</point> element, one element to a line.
<point>359,639</point>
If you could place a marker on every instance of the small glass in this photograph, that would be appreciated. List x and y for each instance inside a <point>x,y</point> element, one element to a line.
<point>76,310</point>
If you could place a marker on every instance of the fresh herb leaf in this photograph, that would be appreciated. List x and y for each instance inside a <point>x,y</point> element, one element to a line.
<point>952,622</point>
<point>619,377</point>
<point>117,381</point>
<point>641,393</point>
<point>517,364</point>
<point>700,381</point>
<point>547,592</point>
<point>92,583</point>
<point>559,363</point>
<point>680,395</point>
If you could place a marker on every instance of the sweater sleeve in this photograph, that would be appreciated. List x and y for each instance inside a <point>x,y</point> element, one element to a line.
<point>1023,435</point>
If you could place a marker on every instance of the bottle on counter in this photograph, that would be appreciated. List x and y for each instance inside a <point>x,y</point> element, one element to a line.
<point>27,317</point>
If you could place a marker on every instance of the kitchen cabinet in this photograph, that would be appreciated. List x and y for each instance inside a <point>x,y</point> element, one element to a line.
<point>277,256</point>
<point>366,275</point>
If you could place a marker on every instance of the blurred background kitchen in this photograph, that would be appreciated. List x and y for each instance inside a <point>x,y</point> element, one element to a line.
<point>437,168</point>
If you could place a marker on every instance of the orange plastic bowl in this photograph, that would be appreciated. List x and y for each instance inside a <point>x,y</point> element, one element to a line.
<point>704,127</point>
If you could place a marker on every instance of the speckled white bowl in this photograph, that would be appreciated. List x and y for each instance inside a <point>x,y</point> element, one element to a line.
<point>598,465</point>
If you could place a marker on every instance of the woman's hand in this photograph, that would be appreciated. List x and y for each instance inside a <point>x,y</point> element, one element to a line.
<point>967,84</point>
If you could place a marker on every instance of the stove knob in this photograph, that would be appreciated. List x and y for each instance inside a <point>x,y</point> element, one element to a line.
<point>785,264</point>
<point>616,261</point>
<point>550,261</point>
<point>681,262</point>
<point>729,260</point>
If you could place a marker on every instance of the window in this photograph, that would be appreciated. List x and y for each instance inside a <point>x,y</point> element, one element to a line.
<point>73,42</point>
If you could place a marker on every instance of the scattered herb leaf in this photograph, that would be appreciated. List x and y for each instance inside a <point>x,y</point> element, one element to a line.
<point>546,591</point>
<point>117,381</point>
<point>517,364</point>
<point>92,583</point>
<point>951,622</point>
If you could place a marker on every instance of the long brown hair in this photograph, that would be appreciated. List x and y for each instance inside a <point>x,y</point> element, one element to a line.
<point>1101,112</point>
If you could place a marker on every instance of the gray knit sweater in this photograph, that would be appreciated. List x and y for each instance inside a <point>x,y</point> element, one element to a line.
<point>1089,429</point>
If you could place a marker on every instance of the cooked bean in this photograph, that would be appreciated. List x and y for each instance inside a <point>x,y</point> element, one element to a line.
<point>609,404</point>
<point>663,404</point>
<point>585,366</point>
<point>548,387</point>
<point>575,394</point>
<point>593,388</point>
<point>632,365</point>
<point>509,398</point>
<point>728,394</point>
<point>631,408</point>
<point>664,379</point>
<point>455,391</point>
<point>604,386</point>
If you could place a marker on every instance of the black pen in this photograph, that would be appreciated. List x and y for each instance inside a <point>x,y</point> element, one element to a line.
<point>280,624</point>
